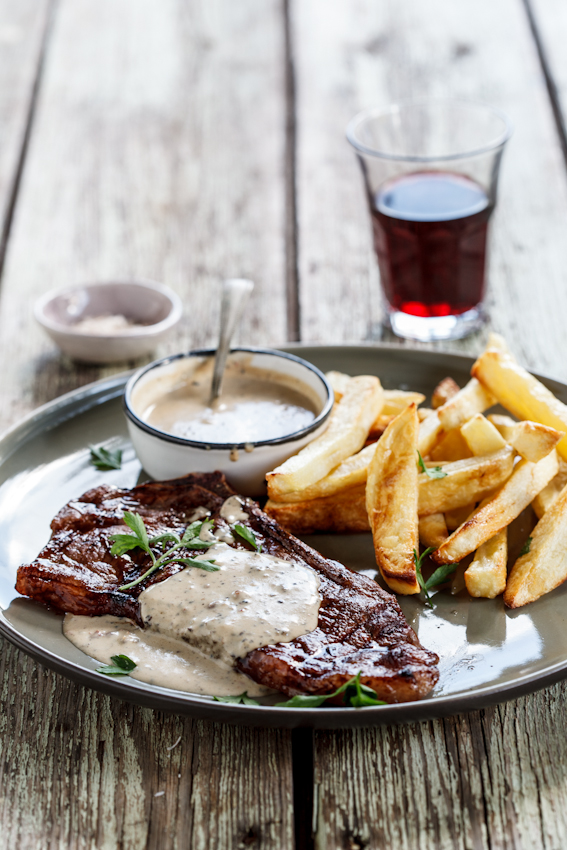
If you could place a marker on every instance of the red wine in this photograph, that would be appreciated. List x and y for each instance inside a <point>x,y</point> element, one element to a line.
<point>430,232</point>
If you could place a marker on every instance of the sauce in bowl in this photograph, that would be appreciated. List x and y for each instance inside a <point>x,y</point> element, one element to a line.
<point>254,404</point>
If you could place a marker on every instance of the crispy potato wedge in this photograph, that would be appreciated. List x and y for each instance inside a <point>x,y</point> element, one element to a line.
<point>465,481</point>
<point>341,513</point>
<point>391,502</point>
<point>452,446</point>
<point>346,433</point>
<point>473,398</point>
<point>526,481</point>
<point>486,575</point>
<point>338,381</point>
<point>532,440</point>
<point>348,474</point>
<point>548,495</point>
<point>397,400</point>
<point>444,391</point>
<point>481,436</point>
<point>544,566</point>
<point>458,516</point>
<point>521,393</point>
<point>433,530</point>
<point>379,425</point>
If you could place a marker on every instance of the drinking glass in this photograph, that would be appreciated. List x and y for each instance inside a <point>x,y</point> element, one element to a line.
<point>431,173</point>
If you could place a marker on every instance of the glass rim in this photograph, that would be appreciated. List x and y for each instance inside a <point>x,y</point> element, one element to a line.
<point>375,111</point>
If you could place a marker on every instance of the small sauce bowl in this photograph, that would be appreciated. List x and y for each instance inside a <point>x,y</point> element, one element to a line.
<point>153,310</point>
<point>164,455</point>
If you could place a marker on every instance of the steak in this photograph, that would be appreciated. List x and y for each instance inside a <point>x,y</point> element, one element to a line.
<point>360,628</point>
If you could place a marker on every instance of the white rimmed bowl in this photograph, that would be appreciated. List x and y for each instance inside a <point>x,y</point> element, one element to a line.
<point>153,308</point>
<point>165,455</point>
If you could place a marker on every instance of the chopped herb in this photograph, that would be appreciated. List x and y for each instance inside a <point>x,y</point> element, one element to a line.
<point>356,695</point>
<point>122,666</point>
<point>438,577</point>
<point>124,542</point>
<point>247,535</point>
<point>526,547</point>
<point>105,459</point>
<point>431,471</point>
<point>241,699</point>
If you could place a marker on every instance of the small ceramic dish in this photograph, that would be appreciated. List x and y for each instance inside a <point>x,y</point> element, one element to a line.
<point>133,317</point>
<point>164,455</point>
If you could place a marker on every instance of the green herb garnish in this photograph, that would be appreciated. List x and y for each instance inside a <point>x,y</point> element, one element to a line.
<point>241,699</point>
<point>438,577</point>
<point>247,535</point>
<point>122,666</point>
<point>526,547</point>
<point>190,540</point>
<point>105,459</point>
<point>431,471</point>
<point>356,695</point>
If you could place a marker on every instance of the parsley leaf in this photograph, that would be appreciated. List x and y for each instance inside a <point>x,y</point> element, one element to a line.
<point>431,471</point>
<point>526,547</point>
<point>122,666</point>
<point>194,562</point>
<point>440,575</point>
<point>241,699</point>
<point>356,695</point>
<point>247,535</point>
<point>104,459</point>
<point>418,559</point>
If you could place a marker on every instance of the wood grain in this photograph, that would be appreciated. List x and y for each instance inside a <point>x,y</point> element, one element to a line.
<point>490,780</point>
<point>368,52</point>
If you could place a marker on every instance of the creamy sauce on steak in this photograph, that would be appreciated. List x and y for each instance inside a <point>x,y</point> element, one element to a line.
<point>197,623</point>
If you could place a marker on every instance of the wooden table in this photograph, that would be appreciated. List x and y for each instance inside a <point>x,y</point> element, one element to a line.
<point>186,141</point>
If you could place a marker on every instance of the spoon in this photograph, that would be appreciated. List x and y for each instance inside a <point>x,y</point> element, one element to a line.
<point>235,295</point>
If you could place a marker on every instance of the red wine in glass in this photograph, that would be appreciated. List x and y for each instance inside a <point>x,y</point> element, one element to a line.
<point>430,232</point>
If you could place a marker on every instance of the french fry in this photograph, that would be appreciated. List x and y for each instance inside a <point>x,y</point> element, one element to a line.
<point>397,400</point>
<point>501,422</point>
<point>346,433</point>
<point>444,391</point>
<point>451,446</point>
<point>341,513</point>
<point>532,440</point>
<point>391,501</point>
<point>486,575</point>
<point>526,481</point>
<point>473,398</point>
<point>544,566</point>
<point>433,530</point>
<point>465,481</point>
<point>380,424</point>
<point>424,412</point>
<point>521,393</point>
<point>548,495</point>
<point>481,436</point>
<point>458,516</point>
<point>348,474</point>
<point>430,429</point>
<point>339,382</point>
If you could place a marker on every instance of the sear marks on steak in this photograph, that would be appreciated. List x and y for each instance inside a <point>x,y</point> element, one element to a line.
<point>361,627</point>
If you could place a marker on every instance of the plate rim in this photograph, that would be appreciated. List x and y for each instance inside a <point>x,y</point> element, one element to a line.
<point>80,400</point>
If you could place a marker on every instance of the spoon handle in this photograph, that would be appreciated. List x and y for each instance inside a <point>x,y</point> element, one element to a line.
<point>235,295</point>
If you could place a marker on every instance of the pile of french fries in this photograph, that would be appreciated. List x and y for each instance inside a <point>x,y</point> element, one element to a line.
<point>447,477</point>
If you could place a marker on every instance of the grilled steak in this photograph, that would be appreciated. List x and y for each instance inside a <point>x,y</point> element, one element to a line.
<point>361,627</point>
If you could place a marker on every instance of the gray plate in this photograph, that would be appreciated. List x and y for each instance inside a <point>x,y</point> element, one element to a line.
<point>487,654</point>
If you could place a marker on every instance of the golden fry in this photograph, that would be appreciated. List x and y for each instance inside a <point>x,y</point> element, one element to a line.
<point>521,393</point>
<point>548,495</point>
<point>481,436</point>
<point>473,398</point>
<point>348,474</point>
<point>397,400</point>
<point>452,446</point>
<point>465,481</point>
<point>346,433</point>
<point>433,530</point>
<point>341,513</point>
<point>339,382</point>
<point>516,494</point>
<point>458,516</point>
<point>391,501</point>
<point>486,575</point>
<point>544,566</point>
<point>444,391</point>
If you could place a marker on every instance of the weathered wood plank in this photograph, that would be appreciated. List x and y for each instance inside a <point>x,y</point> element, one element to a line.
<point>157,151</point>
<point>367,52</point>
<point>23,25</point>
<point>550,23</point>
<point>83,770</point>
<point>491,780</point>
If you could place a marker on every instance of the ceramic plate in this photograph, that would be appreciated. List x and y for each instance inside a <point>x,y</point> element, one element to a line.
<point>488,654</point>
